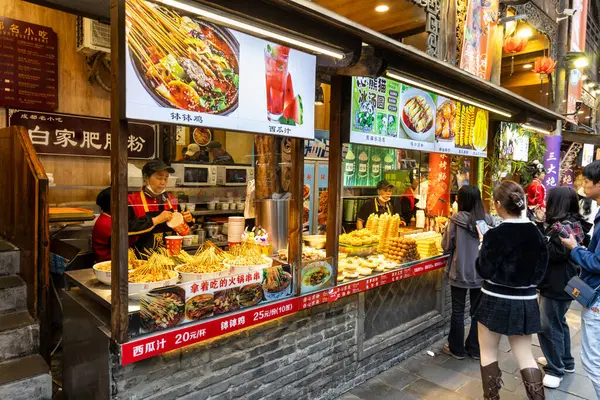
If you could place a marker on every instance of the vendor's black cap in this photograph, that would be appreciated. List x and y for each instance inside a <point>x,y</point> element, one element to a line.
<point>157,165</point>
<point>384,185</point>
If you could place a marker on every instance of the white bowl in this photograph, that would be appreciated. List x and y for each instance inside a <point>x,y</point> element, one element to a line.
<point>137,289</point>
<point>102,276</point>
<point>407,95</point>
<point>243,269</point>
<point>196,276</point>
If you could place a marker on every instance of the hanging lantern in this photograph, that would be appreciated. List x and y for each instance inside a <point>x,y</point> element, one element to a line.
<point>514,44</point>
<point>544,66</point>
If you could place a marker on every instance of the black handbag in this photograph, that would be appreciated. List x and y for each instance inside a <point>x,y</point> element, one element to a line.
<point>581,292</point>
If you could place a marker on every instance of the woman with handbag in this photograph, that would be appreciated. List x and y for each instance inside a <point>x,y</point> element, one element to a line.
<point>512,261</point>
<point>562,220</point>
<point>585,288</point>
<point>461,241</point>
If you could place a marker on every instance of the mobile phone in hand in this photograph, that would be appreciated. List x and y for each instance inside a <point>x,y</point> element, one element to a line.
<point>483,226</point>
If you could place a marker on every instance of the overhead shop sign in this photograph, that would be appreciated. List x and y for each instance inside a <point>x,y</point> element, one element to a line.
<point>183,70</point>
<point>391,114</point>
<point>77,135</point>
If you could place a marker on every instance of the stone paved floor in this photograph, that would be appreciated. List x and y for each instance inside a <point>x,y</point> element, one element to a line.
<point>442,377</point>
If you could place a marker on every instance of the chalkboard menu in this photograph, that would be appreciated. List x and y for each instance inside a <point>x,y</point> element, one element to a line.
<point>28,65</point>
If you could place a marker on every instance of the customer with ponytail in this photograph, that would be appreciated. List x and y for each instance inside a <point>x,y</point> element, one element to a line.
<point>512,261</point>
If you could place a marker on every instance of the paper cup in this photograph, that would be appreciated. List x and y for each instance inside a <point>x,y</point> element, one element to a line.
<point>178,225</point>
<point>173,244</point>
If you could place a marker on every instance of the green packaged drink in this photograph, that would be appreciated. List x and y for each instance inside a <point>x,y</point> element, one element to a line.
<point>350,168</point>
<point>363,166</point>
<point>376,166</point>
<point>389,160</point>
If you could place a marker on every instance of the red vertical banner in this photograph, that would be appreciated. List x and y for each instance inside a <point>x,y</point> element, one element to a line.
<point>577,43</point>
<point>438,194</point>
<point>476,50</point>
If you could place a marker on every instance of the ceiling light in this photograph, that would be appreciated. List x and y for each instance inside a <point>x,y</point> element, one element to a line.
<point>528,66</point>
<point>253,29</point>
<point>382,8</point>
<point>580,112</point>
<point>588,117</point>
<point>525,32</point>
<point>535,129</point>
<point>442,92</point>
<point>597,91</point>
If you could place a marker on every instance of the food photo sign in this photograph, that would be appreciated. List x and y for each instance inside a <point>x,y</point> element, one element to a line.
<point>170,306</point>
<point>391,114</point>
<point>183,70</point>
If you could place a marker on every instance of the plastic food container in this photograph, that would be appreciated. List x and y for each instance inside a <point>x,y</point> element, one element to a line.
<point>173,244</point>
<point>178,224</point>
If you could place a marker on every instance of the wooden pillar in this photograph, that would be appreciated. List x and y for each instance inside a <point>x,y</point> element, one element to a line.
<point>266,166</point>
<point>296,208</point>
<point>334,183</point>
<point>118,172</point>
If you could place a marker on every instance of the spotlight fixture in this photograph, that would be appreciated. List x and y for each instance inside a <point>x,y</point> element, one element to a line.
<point>525,32</point>
<point>527,66</point>
<point>382,8</point>
<point>576,59</point>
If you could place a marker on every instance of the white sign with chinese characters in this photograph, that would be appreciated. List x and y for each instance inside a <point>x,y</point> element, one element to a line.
<point>254,86</point>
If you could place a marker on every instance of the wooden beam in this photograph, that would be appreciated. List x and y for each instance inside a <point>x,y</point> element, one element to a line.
<point>118,172</point>
<point>569,136</point>
<point>334,183</point>
<point>296,209</point>
<point>414,31</point>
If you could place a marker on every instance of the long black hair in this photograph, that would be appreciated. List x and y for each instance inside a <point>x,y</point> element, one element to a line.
<point>562,202</point>
<point>469,200</point>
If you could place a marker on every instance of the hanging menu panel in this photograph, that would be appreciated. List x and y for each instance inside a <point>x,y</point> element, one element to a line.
<point>28,65</point>
<point>390,114</point>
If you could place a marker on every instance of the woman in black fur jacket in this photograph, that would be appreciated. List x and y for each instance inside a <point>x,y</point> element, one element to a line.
<point>512,261</point>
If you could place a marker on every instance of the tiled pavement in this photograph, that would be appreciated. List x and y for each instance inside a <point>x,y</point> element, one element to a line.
<point>442,377</point>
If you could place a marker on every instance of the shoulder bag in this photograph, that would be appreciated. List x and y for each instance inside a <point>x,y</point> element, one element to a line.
<point>581,292</point>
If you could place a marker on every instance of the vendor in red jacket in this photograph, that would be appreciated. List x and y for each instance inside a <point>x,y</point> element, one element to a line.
<point>101,231</point>
<point>152,207</point>
<point>536,192</point>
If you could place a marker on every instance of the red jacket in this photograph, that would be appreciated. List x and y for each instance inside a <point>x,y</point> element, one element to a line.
<point>142,208</point>
<point>101,238</point>
<point>536,194</point>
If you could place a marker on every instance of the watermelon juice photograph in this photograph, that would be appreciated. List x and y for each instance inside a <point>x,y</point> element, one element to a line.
<point>276,71</point>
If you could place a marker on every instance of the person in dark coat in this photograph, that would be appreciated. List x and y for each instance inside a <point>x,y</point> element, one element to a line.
<point>512,261</point>
<point>562,219</point>
<point>461,241</point>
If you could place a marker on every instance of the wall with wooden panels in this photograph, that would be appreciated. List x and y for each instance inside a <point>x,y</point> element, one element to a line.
<point>75,96</point>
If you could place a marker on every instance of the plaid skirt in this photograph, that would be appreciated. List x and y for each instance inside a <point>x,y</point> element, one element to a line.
<point>508,316</point>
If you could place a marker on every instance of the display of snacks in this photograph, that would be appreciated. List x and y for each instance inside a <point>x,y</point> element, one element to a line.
<point>373,223</point>
<point>387,230</point>
<point>436,224</point>
<point>429,244</point>
<point>402,250</point>
<point>359,238</point>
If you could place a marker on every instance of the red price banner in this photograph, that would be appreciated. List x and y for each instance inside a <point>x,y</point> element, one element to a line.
<point>161,342</point>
